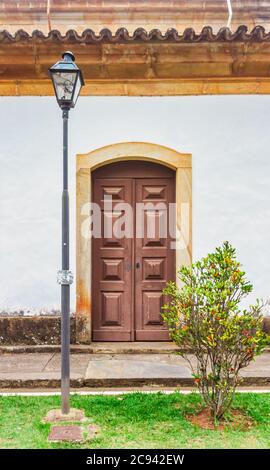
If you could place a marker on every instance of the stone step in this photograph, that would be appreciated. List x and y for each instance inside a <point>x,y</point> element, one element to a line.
<point>42,370</point>
<point>98,348</point>
<point>140,347</point>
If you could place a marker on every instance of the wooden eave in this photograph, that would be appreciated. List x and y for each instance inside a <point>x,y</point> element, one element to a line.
<point>142,63</point>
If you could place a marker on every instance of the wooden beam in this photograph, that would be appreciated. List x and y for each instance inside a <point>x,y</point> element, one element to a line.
<point>154,87</point>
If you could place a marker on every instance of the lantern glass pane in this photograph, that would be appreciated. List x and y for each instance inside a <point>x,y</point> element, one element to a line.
<point>77,89</point>
<point>64,85</point>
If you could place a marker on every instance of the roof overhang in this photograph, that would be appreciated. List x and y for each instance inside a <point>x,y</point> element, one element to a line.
<point>142,63</point>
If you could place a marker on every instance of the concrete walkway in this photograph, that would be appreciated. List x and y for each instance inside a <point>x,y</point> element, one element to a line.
<point>42,370</point>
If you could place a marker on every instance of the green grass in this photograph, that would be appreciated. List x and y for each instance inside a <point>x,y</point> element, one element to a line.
<point>134,421</point>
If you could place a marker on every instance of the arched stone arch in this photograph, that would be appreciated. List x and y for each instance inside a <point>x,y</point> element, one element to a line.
<point>86,163</point>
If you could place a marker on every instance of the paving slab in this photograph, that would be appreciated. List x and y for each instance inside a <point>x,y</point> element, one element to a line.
<point>78,363</point>
<point>24,362</point>
<point>120,366</point>
<point>133,371</point>
<point>260,367</point>
<point>160,358</point>
<point>69,433</point>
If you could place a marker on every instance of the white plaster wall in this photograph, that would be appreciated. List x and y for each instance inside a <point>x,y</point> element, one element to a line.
<point>227,135</point>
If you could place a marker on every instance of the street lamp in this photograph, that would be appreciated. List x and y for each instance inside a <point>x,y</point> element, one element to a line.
<point>67,81</point>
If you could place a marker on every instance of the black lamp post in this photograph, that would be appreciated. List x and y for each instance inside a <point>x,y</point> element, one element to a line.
<point>67,81</point>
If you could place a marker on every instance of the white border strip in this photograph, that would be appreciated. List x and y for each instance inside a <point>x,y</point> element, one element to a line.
<point>116,392</point>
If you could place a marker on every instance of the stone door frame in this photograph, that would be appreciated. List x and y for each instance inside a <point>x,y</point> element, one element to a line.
<point>86,163</point>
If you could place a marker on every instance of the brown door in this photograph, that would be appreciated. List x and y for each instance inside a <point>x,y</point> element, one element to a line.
<point>154,257</point>
<point>129,272</point>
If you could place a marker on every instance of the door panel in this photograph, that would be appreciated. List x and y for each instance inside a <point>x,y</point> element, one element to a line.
<point>112,276</point>
<point>154,257</point>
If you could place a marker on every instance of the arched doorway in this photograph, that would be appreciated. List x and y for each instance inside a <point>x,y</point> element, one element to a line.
<point>87,164</point>
<point>133,255</point>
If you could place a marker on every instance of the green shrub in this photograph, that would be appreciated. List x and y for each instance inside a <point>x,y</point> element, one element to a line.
<point>204,316</point>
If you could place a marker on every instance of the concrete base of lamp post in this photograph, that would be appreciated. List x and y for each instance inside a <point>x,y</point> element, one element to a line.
<point>56,416</point>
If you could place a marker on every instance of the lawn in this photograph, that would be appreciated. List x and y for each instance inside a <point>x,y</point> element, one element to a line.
<point>134,421</point>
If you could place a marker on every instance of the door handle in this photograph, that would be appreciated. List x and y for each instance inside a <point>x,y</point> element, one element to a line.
<point>137,265</point>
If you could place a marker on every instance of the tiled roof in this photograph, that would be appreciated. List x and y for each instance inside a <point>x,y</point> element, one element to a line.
<point>122,35</point>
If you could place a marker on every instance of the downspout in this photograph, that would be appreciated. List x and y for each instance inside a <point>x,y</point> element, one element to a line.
<point>48,14</point>
<point>230,13</point>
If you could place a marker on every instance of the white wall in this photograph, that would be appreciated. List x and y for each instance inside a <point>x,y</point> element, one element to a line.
<point>227,135</point>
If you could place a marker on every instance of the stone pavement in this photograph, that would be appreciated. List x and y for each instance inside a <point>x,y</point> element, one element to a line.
<point>42,370</point>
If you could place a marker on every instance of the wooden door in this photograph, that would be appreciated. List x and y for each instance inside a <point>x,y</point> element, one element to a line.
<point>129,274</point>
<point>155,259</point>
<point>112,268</point>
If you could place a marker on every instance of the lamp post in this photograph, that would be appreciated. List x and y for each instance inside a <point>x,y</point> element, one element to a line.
<point>67,81</point>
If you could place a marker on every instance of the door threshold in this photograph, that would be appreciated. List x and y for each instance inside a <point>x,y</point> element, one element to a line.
<point>136,347</point>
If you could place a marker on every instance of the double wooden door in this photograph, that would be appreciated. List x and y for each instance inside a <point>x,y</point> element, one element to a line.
<point>132,254</point>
